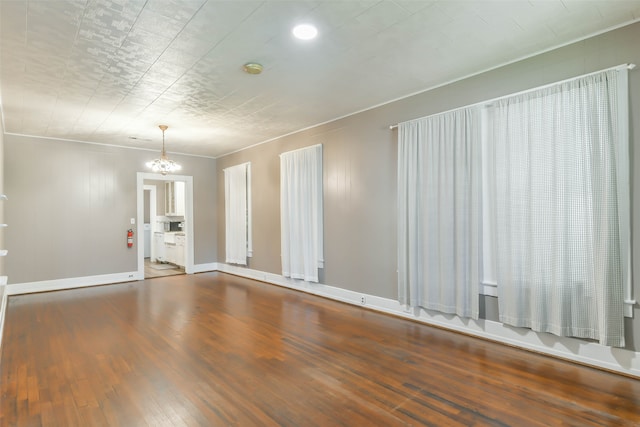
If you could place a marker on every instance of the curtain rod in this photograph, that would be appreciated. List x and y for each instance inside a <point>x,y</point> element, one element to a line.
<point>622,66</point>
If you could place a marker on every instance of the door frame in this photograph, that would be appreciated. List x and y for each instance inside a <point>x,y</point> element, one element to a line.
<point>188,217</point>
<point>152,216</point>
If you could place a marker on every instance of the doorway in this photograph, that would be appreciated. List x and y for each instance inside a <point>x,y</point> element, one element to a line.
<point>165,225</point>
<point>155,262</point>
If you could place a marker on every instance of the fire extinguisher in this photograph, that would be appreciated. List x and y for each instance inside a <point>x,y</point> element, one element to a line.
<point>129,238</point>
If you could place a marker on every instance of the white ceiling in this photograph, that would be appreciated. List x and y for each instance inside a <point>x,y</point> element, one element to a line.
<point>108,70</point>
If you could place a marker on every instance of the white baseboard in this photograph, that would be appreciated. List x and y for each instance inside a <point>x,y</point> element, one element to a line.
<point>614,359</point>
<point>69,283</point>
<point>81,282</point>
<point>201,268</point>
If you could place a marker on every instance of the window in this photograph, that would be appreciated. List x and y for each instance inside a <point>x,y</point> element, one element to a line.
<point>554,214</point>
<point>301,213</point>
<point>237,211</point>
<point>559,194</point>
<point>439,190</point>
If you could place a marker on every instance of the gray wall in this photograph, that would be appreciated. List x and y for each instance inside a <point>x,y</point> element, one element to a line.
<point>147,212</point>
<point>71,205</point>
<point>360,156</point>
<point>160,208</point>
<point>359,203</point>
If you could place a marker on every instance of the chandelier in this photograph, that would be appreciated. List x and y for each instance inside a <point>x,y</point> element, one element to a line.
<point>163,165</point>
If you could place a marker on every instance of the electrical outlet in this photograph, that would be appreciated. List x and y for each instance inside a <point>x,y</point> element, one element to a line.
<point>363,300</point>
<point>131,276</point>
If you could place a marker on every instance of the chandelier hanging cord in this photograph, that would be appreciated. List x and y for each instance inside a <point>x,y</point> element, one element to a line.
<point>163,128</point>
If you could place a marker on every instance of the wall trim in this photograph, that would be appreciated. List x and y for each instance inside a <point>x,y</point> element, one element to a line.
<point>201,268</point>
<point>619,360</point>
<point>126,147</point>
<point>69,283</point>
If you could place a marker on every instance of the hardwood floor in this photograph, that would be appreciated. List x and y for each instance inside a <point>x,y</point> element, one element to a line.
<point>152,269</point>
<point>217,350</point>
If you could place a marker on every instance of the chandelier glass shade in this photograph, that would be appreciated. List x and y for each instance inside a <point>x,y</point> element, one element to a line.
<point>163,165</point>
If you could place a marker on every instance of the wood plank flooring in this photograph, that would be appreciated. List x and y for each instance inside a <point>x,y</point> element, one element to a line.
<point>150,272</point>
<point>217,350</point>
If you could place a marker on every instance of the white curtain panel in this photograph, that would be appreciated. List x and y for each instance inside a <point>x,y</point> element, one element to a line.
<point>560,254</point>
<point>237,203</point>
<point>439,212</point>
<point>301,213</point>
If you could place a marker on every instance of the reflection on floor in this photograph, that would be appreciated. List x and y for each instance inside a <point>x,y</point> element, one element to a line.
<point>154,269</point>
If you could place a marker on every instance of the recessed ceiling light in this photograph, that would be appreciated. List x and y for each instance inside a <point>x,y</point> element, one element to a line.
<point>305,31</point>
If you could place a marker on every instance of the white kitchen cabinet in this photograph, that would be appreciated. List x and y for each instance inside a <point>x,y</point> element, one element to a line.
<point>174,198</point>
<point>170,253</point>
<point>159,246</point>
<point>180,190</point>
<point>173,247</point>
<point>180,244</point>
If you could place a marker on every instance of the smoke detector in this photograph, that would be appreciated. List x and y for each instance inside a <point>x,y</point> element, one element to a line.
<point>252,68</point>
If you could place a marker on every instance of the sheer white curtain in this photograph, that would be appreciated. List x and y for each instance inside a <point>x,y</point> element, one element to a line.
<point>237,210</point>
<point>560,253</point>
<point>439,212</point>
<point>301,213</point>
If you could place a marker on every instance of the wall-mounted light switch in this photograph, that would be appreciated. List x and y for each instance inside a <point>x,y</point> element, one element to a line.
<point>133,221</point>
